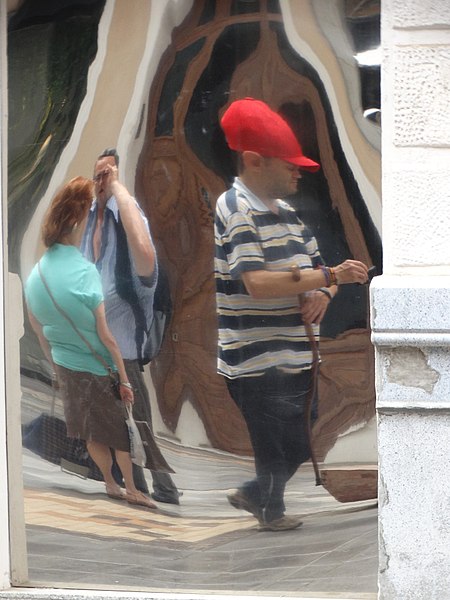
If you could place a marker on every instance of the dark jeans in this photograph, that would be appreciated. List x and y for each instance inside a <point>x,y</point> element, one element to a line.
<point>273,406</point>
<point>163,484</point>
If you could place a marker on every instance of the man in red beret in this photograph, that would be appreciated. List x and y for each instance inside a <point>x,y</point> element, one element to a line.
<point>265,258</point>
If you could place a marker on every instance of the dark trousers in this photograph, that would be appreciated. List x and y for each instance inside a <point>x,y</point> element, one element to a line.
<point>273,406</point>
<point>163,484</point>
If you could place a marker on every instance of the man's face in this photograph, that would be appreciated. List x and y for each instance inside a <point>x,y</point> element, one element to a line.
<point>280,177</point>
<point>102,191</point>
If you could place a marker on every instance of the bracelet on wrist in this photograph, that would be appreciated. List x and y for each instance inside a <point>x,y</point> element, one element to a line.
<point>333,278</point>
<point>330,275</point>
<point>126,384</point>
<point>327,292</point>
<point>326,273</point>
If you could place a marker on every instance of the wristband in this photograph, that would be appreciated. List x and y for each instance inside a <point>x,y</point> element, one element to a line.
<point>326,292</point>
<point>333,278</point>
<point>326,273</point>
<point>330,275</point>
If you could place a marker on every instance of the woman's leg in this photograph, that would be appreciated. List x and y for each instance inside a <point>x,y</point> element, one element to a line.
<point>134,496</point>
<point>101,455</point>
<point>126,466</point>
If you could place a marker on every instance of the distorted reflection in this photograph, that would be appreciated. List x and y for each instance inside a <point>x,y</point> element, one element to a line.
<point>67,312</point>
<point>161,104</point>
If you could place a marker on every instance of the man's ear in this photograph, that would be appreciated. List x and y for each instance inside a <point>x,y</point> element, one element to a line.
<point>252,160</point>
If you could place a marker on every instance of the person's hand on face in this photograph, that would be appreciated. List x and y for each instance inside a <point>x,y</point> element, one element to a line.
<point>110,177</point>
<point>105,174</point>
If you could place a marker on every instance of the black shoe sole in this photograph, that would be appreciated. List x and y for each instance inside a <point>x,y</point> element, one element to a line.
<point>166,499</point>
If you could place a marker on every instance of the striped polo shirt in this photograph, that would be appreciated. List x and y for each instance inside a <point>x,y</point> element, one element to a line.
<point>258,334</point>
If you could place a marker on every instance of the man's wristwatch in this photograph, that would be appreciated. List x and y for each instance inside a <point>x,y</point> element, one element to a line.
<point>326,292</point>
<point>295,270</point>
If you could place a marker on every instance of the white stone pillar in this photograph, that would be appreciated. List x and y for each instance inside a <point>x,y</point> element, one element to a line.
<point>411,303</point>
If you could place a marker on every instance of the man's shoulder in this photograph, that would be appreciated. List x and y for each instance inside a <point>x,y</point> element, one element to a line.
<point>232,201</point>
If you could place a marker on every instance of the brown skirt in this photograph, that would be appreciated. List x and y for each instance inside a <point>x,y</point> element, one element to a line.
<point>93,412</point>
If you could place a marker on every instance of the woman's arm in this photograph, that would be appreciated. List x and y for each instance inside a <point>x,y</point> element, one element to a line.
<point>109,341</point>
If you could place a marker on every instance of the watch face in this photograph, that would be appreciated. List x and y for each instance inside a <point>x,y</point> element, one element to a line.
<point>295,273</point>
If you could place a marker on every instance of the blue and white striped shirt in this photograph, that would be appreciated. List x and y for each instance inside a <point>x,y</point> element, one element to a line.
<point>258,334</point>
<point>120,316</point>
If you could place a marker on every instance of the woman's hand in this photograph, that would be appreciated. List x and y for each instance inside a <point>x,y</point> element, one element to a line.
<point>107,338</point>
<point>126,392</point>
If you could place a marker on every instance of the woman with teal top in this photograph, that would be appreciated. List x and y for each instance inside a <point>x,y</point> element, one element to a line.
<point>64,293</point>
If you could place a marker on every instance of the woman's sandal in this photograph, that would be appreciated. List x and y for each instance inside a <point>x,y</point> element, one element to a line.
<point>139,499</point>
<point>116,492</point>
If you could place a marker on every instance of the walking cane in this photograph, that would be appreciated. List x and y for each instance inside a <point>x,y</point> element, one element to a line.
<point>314,380</point>
<point>315,370</point>
<point>310,398</point>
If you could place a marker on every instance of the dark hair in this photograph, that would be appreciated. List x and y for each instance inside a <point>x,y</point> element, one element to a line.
<point>68,207</point>
<point>110,152</point>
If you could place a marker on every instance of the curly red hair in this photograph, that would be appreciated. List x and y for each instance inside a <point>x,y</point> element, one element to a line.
<point>68,207</point>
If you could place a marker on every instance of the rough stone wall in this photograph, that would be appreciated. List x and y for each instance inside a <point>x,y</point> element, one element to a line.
<point>410,303</point>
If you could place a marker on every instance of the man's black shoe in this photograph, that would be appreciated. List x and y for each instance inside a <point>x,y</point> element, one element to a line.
<point>167,499</point>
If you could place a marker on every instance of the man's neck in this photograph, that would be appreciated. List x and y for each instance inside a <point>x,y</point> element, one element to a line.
<point>101,205</point>
<point>253,185</point>
<point>97,236</point>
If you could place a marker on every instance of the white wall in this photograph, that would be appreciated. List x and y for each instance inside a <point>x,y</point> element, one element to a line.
<point>411,301</point>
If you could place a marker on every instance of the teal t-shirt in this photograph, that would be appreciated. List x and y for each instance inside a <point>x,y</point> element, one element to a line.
<point>76,287</point>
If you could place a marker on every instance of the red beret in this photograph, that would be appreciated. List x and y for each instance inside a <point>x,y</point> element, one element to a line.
<point>250,124</point>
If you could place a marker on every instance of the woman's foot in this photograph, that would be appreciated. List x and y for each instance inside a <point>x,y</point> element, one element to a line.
<point>115,492</point>
<point>139,499</point>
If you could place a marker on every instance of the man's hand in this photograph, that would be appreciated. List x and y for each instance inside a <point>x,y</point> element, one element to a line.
<point>313,306</point>
<point>111,177</point>
<point>351,271</point>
